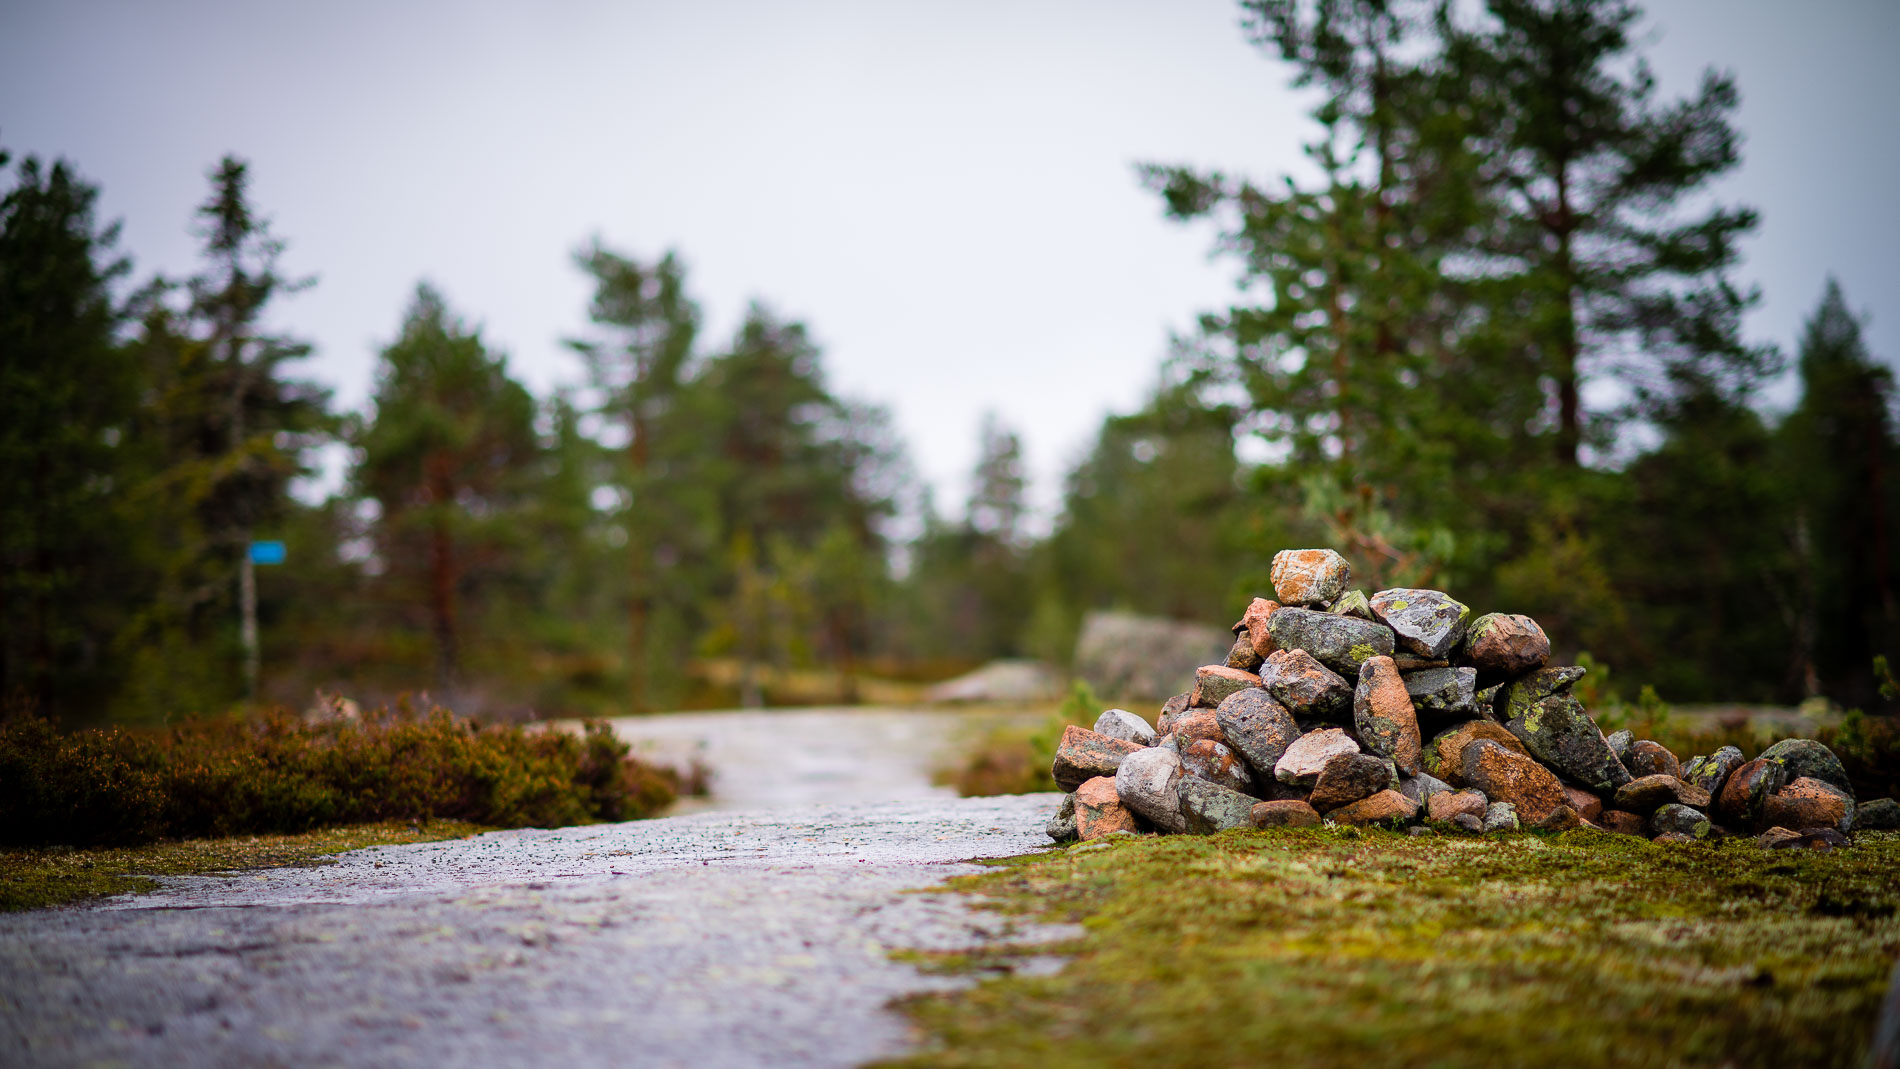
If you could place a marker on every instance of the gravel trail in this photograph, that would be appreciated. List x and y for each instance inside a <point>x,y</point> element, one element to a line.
<point>712,939</point>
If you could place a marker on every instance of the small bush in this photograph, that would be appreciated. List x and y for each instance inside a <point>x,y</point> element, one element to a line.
<point>278,774</point>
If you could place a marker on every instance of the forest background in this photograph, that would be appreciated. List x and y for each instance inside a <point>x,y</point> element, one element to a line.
<point>1497,349</point>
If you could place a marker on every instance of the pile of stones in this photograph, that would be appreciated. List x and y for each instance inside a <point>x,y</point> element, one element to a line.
<point>1324,710</point>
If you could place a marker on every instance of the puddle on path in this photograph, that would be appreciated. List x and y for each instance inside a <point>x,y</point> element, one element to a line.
<point>771,759</point>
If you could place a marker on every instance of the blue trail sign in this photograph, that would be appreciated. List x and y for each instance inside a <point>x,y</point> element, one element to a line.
<point>267,553</point>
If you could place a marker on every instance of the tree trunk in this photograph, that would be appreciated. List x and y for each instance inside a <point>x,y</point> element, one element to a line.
<point>1569,407</point>
<point>639,554</point>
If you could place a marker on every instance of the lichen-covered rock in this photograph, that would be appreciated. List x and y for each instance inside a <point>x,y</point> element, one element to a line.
<point>1711,773</point>
<point>1451,803</point>
<point>1502,647</point>
<point>1501,816</point>
<point>1309,576</point>
<point>1349,777</point>
<point>1820,840</point>
<point>1587,805</point>
<point>1422,787</point>
<point>1623,823</point>
<point>1146,783</point>
<point>1382,713</point>
<point>1061,827</point>
<point>1214,682</point>
<point>1341,643</point>
<point>1747,790</point>
<point>1445,759</point>
<point>1810,759</point>
<point>1650,793</point>
<point>1306,687</point>
<point>1353,603</point>
<point>1429,623</point>
<point>1216,763</point>
<point>1619,741</point>
<point>1210,807</point>
<point>1558,732</point>
<point>1467,822</point>
<point>1287,813</point>
<point>1243,656</point>
<point>1807,803</point>
<point>1253,625</point>
<point>1386,809</point>
<point>1126,726</point>
<point>1516,697</point>
<point>1441,693</point>
<point>1505,776</point>
<point>1099,810</point>
<point>1196,724</point>
<point>1675,819</point>
<point>1083,755</point>
<point>1646,758</point>
<point>1173,707</point>
<point>1256,727</point>
<point>1303,761</point>
<point>1881,814</point>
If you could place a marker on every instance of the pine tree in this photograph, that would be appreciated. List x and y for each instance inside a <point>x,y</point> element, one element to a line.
<point>445,456</point>
<point>1840,453</point>
<point>67,396</point>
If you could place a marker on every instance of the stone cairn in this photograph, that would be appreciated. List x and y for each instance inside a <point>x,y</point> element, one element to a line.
<point>1323,709</point>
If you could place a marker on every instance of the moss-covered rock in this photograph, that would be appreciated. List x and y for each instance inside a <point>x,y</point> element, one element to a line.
<point>1810,759</point>
<point>1558,732</point>
<point>1711,772</point>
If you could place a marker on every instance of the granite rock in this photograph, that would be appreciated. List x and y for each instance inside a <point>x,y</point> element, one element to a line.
<point>1146,783</point>
<point>1646,758</point>
<point>1306,687</point>
<point>1309,576</point>
<point>1341,643</point>
<point>1288,813</point>
<point>1257,727</point>
<point>1711,772</point>
<point>1444,758</point>
<point>1505,776</point>
<point>1349,777</point>
<point>1501,816</point>
<point>1386,809</point>
<point>1303,761</point>
<point>1502,647</point>
<point>1126,726</point>
<point>1210,807</point>
<point>1429,623</point>
<point>1214,762</point>
<point>1214,682</point>
<point>1440,693</point>
<point>1650,793</point>
<point>1382,713</point>
<point>1099,810</point>
<point>1810,759</point>
<point>1557,731</point>
<point>1083,755</point>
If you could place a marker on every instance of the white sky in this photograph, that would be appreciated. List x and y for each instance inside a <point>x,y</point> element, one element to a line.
<point>944,192</point>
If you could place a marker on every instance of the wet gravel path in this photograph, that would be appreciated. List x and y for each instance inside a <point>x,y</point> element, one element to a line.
<point>714,939</point>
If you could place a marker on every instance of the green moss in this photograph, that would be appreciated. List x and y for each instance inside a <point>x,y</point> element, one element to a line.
<point>1361,652</point>
<point>34,878</point>
<point>1316,947</point>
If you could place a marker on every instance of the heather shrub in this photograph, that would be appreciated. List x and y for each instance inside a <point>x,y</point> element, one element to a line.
<point>276,773</point>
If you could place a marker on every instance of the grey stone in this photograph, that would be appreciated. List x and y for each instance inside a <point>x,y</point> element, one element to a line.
<point>1881,814</point>
<point>1341,643</point>
<point>1469,822</point>
<point>1303,761</point>
<point>1124,725</point>
<point>1444,692</point>
<point>1349,777</point>
<point>1210,807</point>
<point>1061,827</point>
<point>1499,816</point>
<point>1810,759</point>
<point>1427,622</point>
<point>1306,687</point>
<point>1711,772</point>
<point>1619,742</point>
<point>1421,787</point>
<point>1146,783</point>
<point>1558,732</point>
<point>1257,727</point>
<point>1678,819</point>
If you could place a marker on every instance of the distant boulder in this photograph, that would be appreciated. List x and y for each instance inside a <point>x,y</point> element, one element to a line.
<point>1124,655</point>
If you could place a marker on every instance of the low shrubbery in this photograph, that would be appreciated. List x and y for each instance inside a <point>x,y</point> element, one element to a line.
<point>276,773</point>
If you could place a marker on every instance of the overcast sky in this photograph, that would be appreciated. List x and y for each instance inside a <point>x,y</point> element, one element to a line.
<point>944,192</point>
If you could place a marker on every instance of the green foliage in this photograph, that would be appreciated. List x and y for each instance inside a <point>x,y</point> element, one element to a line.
<point>1322,947</point>
<point>275,773</point>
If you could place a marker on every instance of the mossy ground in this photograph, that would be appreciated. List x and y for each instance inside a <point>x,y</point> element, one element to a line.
<point>30,879</point>
<point>1328,947</point>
